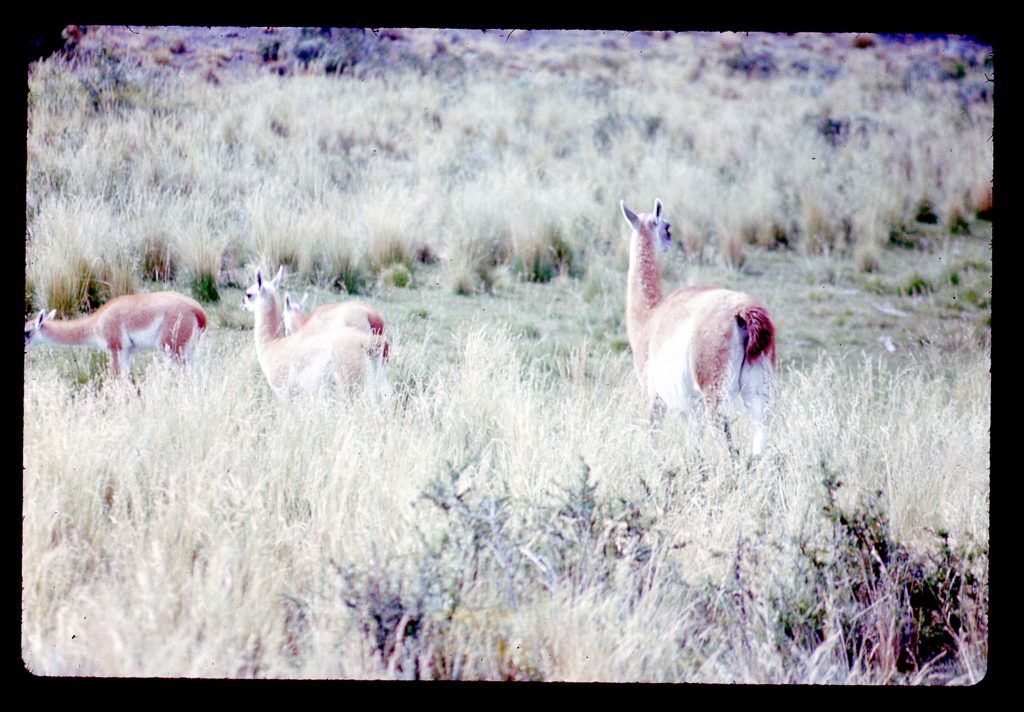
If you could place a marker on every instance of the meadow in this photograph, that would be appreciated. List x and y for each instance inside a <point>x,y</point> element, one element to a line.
<point>505,515</point>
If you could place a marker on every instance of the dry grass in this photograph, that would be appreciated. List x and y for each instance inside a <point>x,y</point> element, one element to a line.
<point>504,515</point>
<point>826,151</point>
<point>205,519</point>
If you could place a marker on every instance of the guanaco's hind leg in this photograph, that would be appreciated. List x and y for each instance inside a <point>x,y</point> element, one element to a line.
<point>179,339</point>
<point>713,407</point>
<point>755,390</point>
<point>655,416</point>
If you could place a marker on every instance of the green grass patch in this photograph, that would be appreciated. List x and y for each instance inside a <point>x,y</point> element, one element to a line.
<point>203,287</point>
<point>350,275</point>
<point>397,275</point>
<point>545,258</point>
<point>917,285</point>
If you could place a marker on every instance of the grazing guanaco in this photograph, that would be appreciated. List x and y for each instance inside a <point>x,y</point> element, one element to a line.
<point>126,325</point>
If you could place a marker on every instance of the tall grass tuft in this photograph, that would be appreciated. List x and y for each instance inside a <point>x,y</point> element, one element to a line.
<point>733,251</point>
<point>545,256</point>
<point>30,297</point>
<point>344,263</point>
<point>480,242</point>
<point>158,263</point>
<point>66,283</point>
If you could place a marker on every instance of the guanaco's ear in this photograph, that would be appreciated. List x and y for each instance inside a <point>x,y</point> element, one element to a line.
<point>657,207</point>
<point>287,301</point>
<point>259,278</point>
<point>305,298</point>
<point>631,218</point>
<point>277,277</point>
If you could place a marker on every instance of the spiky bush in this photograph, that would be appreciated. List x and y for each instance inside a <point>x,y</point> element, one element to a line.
<point>895,613</point>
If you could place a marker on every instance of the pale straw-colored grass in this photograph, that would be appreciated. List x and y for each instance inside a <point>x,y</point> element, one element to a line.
<point>737,160</point>
<point>178,529</point>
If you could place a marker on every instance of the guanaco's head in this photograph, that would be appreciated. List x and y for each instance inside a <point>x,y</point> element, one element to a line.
<point>650,225</point>
<point>33,327</point>
<point>294,313</point>
<point>262,293</point>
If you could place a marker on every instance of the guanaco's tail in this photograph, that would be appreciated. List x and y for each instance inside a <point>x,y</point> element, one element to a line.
<point>200,318</point>
<point>376,325</point>
<point>760,333</point>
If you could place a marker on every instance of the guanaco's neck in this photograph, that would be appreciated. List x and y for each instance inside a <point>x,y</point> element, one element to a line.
<point>71,332</point>
<point>643,281</point>
<point>268,321</point>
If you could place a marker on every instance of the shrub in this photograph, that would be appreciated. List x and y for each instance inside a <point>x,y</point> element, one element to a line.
<point>926,213</point>
<point>983,204</point>
<point>958,224</point>
<point>104,78</point>
<point>752,64</point>
<point>924,593</point>
<point>894,612</point>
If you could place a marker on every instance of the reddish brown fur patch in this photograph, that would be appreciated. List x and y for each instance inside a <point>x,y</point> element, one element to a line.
<point>376,324</point>
<point>760,333</point>
<point>712,338</point>
<point>268,323</point>
<point>181,316</point>
<point>178,330</point>
<point>643,291</point>
<point>200,317</point>
<point>643,294</point>
<point>715,314</point>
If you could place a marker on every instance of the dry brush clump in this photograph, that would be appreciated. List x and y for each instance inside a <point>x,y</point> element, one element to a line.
<point>896,615</point>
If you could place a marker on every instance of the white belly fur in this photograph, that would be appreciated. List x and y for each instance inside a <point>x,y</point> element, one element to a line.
<point>671,372</point>
<point>141,339</point>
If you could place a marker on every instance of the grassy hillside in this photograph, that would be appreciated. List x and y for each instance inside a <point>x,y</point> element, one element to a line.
<point>505,514</point>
